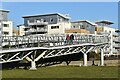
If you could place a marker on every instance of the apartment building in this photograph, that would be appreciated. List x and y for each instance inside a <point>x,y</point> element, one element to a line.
<point>6,25</point>
<point>56,23</point>
<point>82,26</point>
<point>103,27</point>
<point>22,29</point>
<point>117,41</point>
<point>52,23</point>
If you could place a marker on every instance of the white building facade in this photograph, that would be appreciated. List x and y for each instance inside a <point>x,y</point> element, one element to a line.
<point>57,23</point>
<point>105,28</point>
<point>21,29</point>
<point>6,26</point>
<point>53,23</point>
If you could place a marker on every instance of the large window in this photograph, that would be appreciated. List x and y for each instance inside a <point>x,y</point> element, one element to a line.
<point>60,19</point>
<point>82,26</point>
<point>5,33</point>
<point>51,20</point>
<point>44,20</point>
<point>6,25</point>
<point>54,27</point>
<point>73,26</point>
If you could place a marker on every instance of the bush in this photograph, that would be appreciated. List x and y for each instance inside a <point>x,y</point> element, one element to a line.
<point>94,55</point>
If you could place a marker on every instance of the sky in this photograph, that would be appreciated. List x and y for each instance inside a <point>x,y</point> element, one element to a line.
<point>92,11</point>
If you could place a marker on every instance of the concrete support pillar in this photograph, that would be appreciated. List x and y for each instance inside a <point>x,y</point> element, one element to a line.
<point>85,59</point>
<point>33,65</point>
<point>102,58</point>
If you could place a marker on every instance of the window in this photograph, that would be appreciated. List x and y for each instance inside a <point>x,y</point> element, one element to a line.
<point>41,20</point>
<point>105,30</point>
<point>88,26</point>
<point>54,27</point>
<point>73,26</point>
<point>51,20</point>
<point>44,20</point>
<point>95,28</point>
<point>37,20</point>
<point>60,19</point>
<point>5,40</point>
<point>82,27</point>
<point>5,33</point>
<point>6,25</point>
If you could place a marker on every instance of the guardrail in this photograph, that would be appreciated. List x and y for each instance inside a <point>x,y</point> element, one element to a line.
<point>49,40</point>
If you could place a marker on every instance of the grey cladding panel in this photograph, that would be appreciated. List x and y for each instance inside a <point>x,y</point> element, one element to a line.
<point>3,16</point>
<point>50,19</point>
<point>85,25</point>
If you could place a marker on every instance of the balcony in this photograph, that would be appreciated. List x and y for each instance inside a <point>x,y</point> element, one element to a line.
<point>42,30</point>
<point>116,39</point>
<point>37,23</point>
<point>38,30</point>
<point>115,34</point>
<point>77,31</point>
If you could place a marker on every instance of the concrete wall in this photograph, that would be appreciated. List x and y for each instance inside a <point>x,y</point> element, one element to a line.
<point>21,30</point>
<point>7,29</point>
<point>60,30</point>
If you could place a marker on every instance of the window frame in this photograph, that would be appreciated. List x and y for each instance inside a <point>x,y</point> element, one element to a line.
<point>7,25</point>
<point>51,20</point>
<point>54,27</point>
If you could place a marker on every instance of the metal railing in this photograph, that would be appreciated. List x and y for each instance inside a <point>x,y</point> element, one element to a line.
<point>38,23</point>
<point>49,40</point>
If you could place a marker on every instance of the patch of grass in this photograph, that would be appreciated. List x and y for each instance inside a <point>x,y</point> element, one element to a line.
<point>64,72</point>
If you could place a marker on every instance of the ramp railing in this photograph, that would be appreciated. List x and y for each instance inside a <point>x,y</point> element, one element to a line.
<point>49,40</point>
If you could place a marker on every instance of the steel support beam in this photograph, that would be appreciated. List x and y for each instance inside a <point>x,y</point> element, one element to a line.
<point>33,66</point>
<point>40,56</point>
<point>102,57</point>
<point>85,59</point>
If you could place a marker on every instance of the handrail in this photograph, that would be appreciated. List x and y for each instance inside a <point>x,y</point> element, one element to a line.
<point>49,40</point>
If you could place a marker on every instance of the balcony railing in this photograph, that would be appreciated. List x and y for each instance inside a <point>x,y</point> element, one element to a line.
<point>41,40</point>
<point>38,30</point>
<point>116,45</point>
<point>37,23</point>
<point>115,34</point>
<point>116,39</point>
